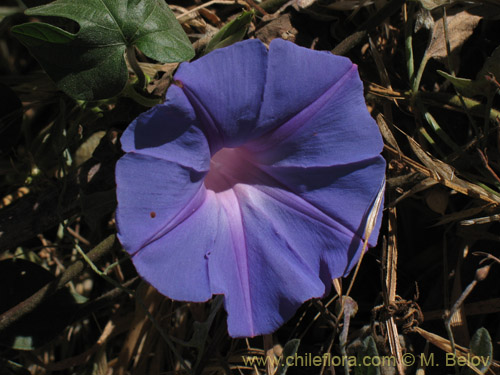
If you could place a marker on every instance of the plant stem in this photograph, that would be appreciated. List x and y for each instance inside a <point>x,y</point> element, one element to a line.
<point>409,40</point>
<point>461,103</point>
<point>29,304</point>
<point>131,293</point>
<point>132,60</point>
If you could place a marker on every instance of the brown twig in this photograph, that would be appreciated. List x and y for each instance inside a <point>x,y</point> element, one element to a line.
<point>270,5</point>
<point>257,7</point>
<point>484,159</point>
<point>390,290</point>
<point>349,43</point>
<point>29,304</point>
<point>481,274</point>
<point>269,350</point>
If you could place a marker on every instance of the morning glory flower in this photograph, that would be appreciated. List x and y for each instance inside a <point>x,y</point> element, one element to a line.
<point>254,180</point>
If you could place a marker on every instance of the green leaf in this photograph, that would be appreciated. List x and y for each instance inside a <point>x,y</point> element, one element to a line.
<point>289,350</point>
<point>90,64</point>
<point>481,354</point>
<point>231,33</point>
<point>369,351</point>
<point>481,85</point>
<point>465,86</point>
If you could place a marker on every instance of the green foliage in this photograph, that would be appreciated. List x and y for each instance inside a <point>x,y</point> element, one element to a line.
<point>481,85</point>
<point>369,350</point>
<point>481,352</point>
<point>90,64</point>
<point>231,33</point>
<point>289,350</point>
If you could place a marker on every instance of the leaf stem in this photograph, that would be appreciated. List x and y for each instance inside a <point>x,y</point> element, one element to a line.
<point>410,65</point>
<point>458,103</point>
<point>132,93</point>
<point>420,72</point>
<point>132,60</point>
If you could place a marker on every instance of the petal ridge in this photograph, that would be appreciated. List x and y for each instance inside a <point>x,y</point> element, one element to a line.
<point>323,217</point>
<point>366,162</point>
<point>215,138</point>
<point>290,87</point>
<point>169,132</point>
<point>147,197</point>
<point>178,260</point>
<point>293,124</point>
<point>229,201</point>
<point>184,214</point>
<point>317,214</point>
<point>229,83</point>
<point>311,272</point>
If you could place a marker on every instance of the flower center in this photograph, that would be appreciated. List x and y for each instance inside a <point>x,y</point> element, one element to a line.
<point>227,168</point>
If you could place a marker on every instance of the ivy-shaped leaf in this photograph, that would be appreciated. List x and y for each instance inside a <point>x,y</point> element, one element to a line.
<point>90,64</point>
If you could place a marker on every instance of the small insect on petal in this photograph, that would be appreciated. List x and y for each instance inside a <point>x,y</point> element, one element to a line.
<point>178,83</point>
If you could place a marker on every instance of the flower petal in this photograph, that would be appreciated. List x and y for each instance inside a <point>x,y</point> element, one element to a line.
<point>345,193</point>
<point>153,196</point>
<point>317,114</point>
<point>279,216</point>
<point>176,263</point>
<point>229,267</point>
<point>287,252</point>
<point>225,87</point>
<point>296,77</point>
<point>169,131</point>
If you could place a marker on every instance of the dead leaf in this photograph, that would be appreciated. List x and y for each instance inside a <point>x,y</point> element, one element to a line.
<point>437,199</point>
<point>433,4</point>
<point>279,28</point>
<point>421,186</point>
<point>210,16</point>
<point>314,9</point>
<point>442,343</point>
<point>460,27</point>
<point>152,69</point>
<point>439,169</point>
<point>386,132</point>
<point>460,215</point>
<point>87,148</point>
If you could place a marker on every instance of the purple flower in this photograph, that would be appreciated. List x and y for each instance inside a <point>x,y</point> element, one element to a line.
<point>253,180</point>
